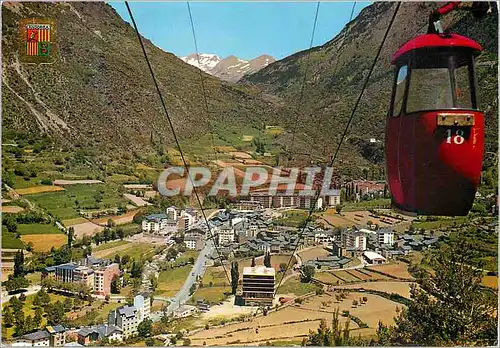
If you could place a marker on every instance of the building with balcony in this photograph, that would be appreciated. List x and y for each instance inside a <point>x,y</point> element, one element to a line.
<point>258,285</point>
<point>103,276</point>
<point>126,318</point>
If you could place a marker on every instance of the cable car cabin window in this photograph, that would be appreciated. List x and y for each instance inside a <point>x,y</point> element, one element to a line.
<point>429,89</point>
<point>462,88</point>
<point>440,82</point>
<point>399,90</point>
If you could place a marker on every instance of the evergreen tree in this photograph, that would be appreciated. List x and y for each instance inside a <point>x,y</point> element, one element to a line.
<point>68,304</point>
<point>144,328</point>
<point>333,336</point>
<point>37,319</point>
<point>71,233</point>
<point>19,323</point>
<point>267,259</point>
<point>8,317</point>
<point>29,324</point>
<point>234,277</point>
<point>15,304</point>
<point>115,285</point>
<point>19,264</point>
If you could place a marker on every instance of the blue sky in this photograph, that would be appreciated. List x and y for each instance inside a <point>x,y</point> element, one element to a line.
<point>245,29</point>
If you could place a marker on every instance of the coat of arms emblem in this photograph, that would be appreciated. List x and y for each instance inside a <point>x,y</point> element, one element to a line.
<point>37,40</point>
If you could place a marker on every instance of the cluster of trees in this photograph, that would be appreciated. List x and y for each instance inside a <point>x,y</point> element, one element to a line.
<point>260,147</point>
<point>109,234</point>
<point>76,288</point>
<point>17,280</point>
<point>306,273</point>
<point>11,221</point>
<point>55,313</point>
<point>450,307</point>
<point>56,256</point>
<point>350,192</point>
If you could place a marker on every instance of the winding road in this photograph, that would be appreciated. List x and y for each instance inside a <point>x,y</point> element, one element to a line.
<point>198,270</point>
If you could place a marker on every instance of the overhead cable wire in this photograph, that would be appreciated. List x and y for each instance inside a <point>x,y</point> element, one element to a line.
<point>304,79</point>
<point>334,157</point>
<point>339,50</point>
<point>173,133</point>
<point>201,78</point>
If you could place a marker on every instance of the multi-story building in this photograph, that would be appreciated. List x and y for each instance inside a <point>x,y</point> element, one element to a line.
<point>353,239</point>
<point>57,335</point>
<point>142,303</point>
<point>97,275</point>
<point>52,336</point>
<point>66,272</point>
<point>126,319</point>
<point>85,275</point>
<point>103,276</point>
<point>172,213</point>
<point>324,237</point>
<point>225,235</point>
<point>385,236</point>
<point>35,339</point>
<point>258,285</point>
<point>154,223</point>
<point>188,218</point>
<point>194,241</point>
<point>283,199</point>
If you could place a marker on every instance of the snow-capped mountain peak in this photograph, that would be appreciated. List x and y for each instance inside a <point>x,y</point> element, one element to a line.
<point>206,61</point>
<point>230,68</point>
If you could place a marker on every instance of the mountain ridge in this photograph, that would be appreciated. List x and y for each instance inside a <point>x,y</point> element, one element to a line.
<point>99,95</point>
<point>230,68</point>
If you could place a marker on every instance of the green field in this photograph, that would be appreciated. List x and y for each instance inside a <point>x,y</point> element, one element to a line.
<point>212,294</point>
<point>446,222</point>
<point>23,229</point>
<point>294,286</point>
<point>64,204</point>
<point>171,280</point>
<point>185,256</point>
<point>381,202</point>
<point>9,241</point>
<point>137,251</point>
<point>109,245</point>
<point>100,311</point>
<point>292,218</point>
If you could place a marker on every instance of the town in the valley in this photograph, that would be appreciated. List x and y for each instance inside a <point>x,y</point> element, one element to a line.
<point>252,272</point>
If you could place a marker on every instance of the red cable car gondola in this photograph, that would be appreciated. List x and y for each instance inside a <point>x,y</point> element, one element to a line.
<point>435,132</point>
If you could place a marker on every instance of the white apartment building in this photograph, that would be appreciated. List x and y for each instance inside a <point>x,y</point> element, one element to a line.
<point>353,239</point>
<point>172,213</point>
<point>385,236</point>
<point>154,223</point>
<point>143,305</point>
<point>225,235</point>
<point>323,238</point>
<point>126,319</point>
